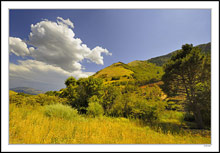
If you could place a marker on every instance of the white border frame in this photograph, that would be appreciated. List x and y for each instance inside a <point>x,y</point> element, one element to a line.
<point>110,5</point>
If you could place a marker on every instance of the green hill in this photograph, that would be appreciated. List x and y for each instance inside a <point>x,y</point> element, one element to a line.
<point>140,72</point>
<point>145,71</point>
<point>160,60</point>
<point>26,90</point>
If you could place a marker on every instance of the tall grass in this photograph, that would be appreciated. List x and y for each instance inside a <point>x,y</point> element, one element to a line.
<point>33,126</point>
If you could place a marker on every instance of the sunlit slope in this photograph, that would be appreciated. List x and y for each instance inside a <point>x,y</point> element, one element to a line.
<point>117,71</point>
<point>12,93</point>
<point>144,70</point>
<point>137,71</point>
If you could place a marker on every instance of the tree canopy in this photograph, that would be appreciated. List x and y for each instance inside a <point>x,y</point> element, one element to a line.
<point>187,73</point>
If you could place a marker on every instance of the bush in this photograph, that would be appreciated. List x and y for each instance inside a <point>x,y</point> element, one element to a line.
<point>17,99</point>
<point>60,111</point>
<point>36,100</point>
<point>43,99</point>
<point>95,109</point>
<point>149,112</point>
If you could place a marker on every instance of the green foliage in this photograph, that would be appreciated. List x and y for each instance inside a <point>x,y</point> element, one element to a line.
<point>110,93</point>
<point>130,88</point>
<point>145,111</point>
<point>60,111</point>
<point>36,100</point>
<point>171,105</point>
<point>95,109</point>
<point>70,81</point>
<point>145,72</point>
<point>70,92</point>
<point>136,106</point>
<point>140,72</point>
<point>160,60</point>
<point>187,73</point>
<point>153,93</point>
<point>88,87</point>
<point>24,94</point>
<point>52,93</point>
<point>17,99</point>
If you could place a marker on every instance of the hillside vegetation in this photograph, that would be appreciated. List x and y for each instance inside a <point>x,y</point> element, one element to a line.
<point>134,103</point>
<point>160,60</point>
<point>117,71</point>
<point>136,72</point>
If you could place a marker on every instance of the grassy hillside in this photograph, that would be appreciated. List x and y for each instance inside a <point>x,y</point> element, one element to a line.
<point>144,70</point>
<point>160,60</point>
<point>27,90</point>
<point>12,93</point>
<point>136,71</point>
<point>117,71</point>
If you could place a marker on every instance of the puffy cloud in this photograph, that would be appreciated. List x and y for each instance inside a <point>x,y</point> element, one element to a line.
<point>56,54</point>
<point>55,44</point>
<point>40,72</point>
<point>67,22</point>
<point>18,47</point>
<point>95,55</point>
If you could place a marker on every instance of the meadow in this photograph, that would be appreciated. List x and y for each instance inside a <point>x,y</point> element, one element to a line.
<point>33,125</point>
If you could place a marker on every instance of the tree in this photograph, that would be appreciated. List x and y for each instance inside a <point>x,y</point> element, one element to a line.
<point>71,80</point>
<point>70,92</point>
<point>88,87</point>
<point>183,74</point>
<point>110,94</point>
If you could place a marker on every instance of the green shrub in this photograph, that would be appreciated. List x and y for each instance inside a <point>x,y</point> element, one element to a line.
<point>95,109</point>
<point>60,111</point>
<point>149,112</point>
<point>17,99</point>
<point>36,100</point>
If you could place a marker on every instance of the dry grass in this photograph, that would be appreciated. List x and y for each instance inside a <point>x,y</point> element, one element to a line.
<point>30,126</point>
<point>113,70</point>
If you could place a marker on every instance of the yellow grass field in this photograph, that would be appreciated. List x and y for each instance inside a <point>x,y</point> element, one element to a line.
<point>29,125</point>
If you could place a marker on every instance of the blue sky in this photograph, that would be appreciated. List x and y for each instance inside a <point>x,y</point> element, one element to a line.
<point>127,35</point>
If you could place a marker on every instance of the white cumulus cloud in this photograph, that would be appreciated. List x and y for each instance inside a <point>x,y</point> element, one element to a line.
<point>95,55</point>
<point>18,47</point>
<point>55,44</point>
<point>56,54</point>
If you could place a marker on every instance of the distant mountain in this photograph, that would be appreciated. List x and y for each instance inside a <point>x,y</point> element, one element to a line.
<point>160,60</point>
<point>27,90</point>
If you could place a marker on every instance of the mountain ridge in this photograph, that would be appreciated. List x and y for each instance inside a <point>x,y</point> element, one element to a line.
<point>160,60</point>
<point>26,90</point>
